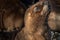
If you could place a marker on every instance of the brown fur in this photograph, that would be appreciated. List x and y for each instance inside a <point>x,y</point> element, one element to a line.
<point>34,24</point>
<point>12,14</point>
<point>54,17</point>
<point>11,18</point>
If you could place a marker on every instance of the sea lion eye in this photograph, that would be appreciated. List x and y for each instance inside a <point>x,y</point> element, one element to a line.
<point>37,9</point>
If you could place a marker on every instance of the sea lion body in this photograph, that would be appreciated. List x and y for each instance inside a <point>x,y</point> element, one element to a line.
<point>11,14</point>
<point>54,16</point>
<point>11,18</point>
<point>35,28</point>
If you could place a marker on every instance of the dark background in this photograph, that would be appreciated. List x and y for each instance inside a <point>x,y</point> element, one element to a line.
<point>29,2</point>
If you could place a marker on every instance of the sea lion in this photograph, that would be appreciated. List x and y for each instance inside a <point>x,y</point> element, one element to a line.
<point>54,19</point>
<point>54,16</point>
<point>11,18</point>
<point>11,14</point>
<point>35,28</point>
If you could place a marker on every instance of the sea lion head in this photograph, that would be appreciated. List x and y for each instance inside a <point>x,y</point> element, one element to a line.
<point>36,14</point>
